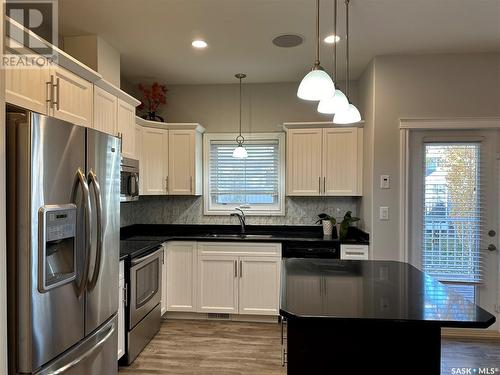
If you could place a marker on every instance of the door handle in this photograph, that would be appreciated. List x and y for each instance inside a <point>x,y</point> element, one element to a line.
<point>235,268</point>
<point>80,181</point>
<point>166,184</point>
<point>319,185</point>
<point>94,182</point>
<point>324,185</point>
<point>191,184</point>
<point>241,268</point>
<point>56,87</point>
<point>50,94</point>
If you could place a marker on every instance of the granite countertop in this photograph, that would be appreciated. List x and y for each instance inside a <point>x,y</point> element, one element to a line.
<point>152,235</point>
<point>373,290</point>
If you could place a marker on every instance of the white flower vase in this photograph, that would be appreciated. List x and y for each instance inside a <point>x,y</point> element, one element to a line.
<point>327,227</point>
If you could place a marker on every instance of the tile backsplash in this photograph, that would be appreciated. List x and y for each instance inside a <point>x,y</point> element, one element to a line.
<point>189,210</point>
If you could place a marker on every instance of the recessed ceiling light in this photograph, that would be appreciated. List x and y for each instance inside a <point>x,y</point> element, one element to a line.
<point>199,44</point>
<point>330,39</point>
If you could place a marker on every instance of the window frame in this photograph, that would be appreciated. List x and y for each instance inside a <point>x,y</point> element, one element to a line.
<point>271,210</point>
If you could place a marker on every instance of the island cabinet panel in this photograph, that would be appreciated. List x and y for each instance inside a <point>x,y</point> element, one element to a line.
<point>239,278</point>
<point>181,276</point>
<point>126,128</point>
<point>218,284</point>
<point>259,286</point>
<point>154,161</point>
<point>303,166</point>
<point>105,111</point>
<point>302,290</point>
<point>324,162</point>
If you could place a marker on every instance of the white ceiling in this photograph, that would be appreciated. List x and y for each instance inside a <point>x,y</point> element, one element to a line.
<point>154,36</point>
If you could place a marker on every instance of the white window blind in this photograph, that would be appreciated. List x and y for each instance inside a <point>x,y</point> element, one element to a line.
<point>253,183</point>
<point>453,213</point>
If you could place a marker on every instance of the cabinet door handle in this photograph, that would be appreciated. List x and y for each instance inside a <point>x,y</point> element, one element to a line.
<point>56,89</point>
<point>241,268</point>
<point>50,94</point>
<point>191,184</point>
<point>166,184</point>
<point>319,185</point>
<point>324,185</point>
<point>235,268</point>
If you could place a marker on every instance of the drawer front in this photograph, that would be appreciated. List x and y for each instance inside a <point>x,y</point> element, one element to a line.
<point>354,252</point>
<point>239,248</point>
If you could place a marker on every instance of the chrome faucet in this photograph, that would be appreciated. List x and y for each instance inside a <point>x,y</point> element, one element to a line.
<point>241,218</point>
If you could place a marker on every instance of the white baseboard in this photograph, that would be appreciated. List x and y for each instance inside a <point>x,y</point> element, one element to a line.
<point>470,334</point>
<point>230,318</point>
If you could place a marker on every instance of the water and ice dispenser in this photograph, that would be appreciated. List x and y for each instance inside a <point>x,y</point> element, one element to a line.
<point>57,246</point>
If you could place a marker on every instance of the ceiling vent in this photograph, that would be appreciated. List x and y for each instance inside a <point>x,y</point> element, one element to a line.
<point>288,40</point>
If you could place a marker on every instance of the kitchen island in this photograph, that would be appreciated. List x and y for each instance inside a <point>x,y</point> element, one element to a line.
<point>379,317</point>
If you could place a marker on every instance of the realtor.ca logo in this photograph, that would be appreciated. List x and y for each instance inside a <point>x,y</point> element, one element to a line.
<point>474,370</point>
<point>31,32</point>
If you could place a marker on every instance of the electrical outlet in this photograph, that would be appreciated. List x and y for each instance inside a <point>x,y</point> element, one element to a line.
<point>385,181</point>
<point>384,213</point>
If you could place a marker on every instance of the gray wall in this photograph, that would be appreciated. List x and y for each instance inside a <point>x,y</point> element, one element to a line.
<point>265,106</point>
<point>427,86</point>
<point>189,210</point>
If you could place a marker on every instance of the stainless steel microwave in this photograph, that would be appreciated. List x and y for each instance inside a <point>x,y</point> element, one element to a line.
<point>129,180</point>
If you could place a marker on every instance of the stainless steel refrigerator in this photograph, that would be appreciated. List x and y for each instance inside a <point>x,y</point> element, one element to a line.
<point>63,193</point>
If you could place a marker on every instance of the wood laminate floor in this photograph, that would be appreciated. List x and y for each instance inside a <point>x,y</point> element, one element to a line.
<point>213,347</point>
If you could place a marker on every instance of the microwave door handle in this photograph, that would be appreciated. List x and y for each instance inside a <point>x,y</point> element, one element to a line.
<point>94,182</point>
<point>81,181</point>
<point>135,190</point>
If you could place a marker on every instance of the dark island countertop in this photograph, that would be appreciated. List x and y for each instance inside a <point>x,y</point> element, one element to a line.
<point>152,235</point>
<point>373,290</point>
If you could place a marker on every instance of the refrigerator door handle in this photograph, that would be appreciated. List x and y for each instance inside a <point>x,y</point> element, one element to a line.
<point>81,181</point>
<point>85,355</point>
<point>94,182</point>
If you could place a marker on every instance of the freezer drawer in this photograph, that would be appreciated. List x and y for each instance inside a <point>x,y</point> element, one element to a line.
<point>96,355</point>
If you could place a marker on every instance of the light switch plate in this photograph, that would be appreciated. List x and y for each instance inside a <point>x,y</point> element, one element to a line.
<point>385,181</point>
<point>384,213</point>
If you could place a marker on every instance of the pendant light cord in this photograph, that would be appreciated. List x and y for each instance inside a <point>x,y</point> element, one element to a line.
<point>317,63</point>
<point>347,46</point>
<point>335,39</point>
<point>240,104</point>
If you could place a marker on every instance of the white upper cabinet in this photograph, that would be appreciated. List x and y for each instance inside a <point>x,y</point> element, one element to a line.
<point>126,128</point>
<point>154,161</point>
<point>28,88</point>
<point>53,91</point>
<point>171,158</point>
<point>342,161</point>
<point>184,162</point>
<point>72,97</point>
<point>105,111</point>
<point>324,161</point>
<point>303,166</point>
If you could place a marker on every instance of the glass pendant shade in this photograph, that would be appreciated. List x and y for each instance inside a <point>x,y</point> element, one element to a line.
<point>240,152</point>
<point>349,116</point>
<point>316,85</point>
<point>337,103</point>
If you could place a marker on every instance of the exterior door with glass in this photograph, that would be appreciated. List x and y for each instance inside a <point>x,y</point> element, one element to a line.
<point>454,209</point>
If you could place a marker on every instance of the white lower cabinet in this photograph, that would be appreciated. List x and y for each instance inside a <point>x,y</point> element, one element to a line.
<point>218,284</point>
<point>163,302</point>
<point>181,278</point>
<point>121,310</point>
<point>239,278</point>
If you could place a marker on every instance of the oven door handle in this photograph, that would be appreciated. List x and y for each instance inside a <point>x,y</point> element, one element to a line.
<point>136,261</point>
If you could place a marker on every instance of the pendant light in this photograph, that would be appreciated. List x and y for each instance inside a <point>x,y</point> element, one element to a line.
<point>338,102</point>
<point>240,152</point>
<point>317,84</point>
<point>351,114</point>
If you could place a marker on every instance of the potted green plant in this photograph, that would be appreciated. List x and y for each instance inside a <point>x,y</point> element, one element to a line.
<point>328,223</point>
<point>346,223</point>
